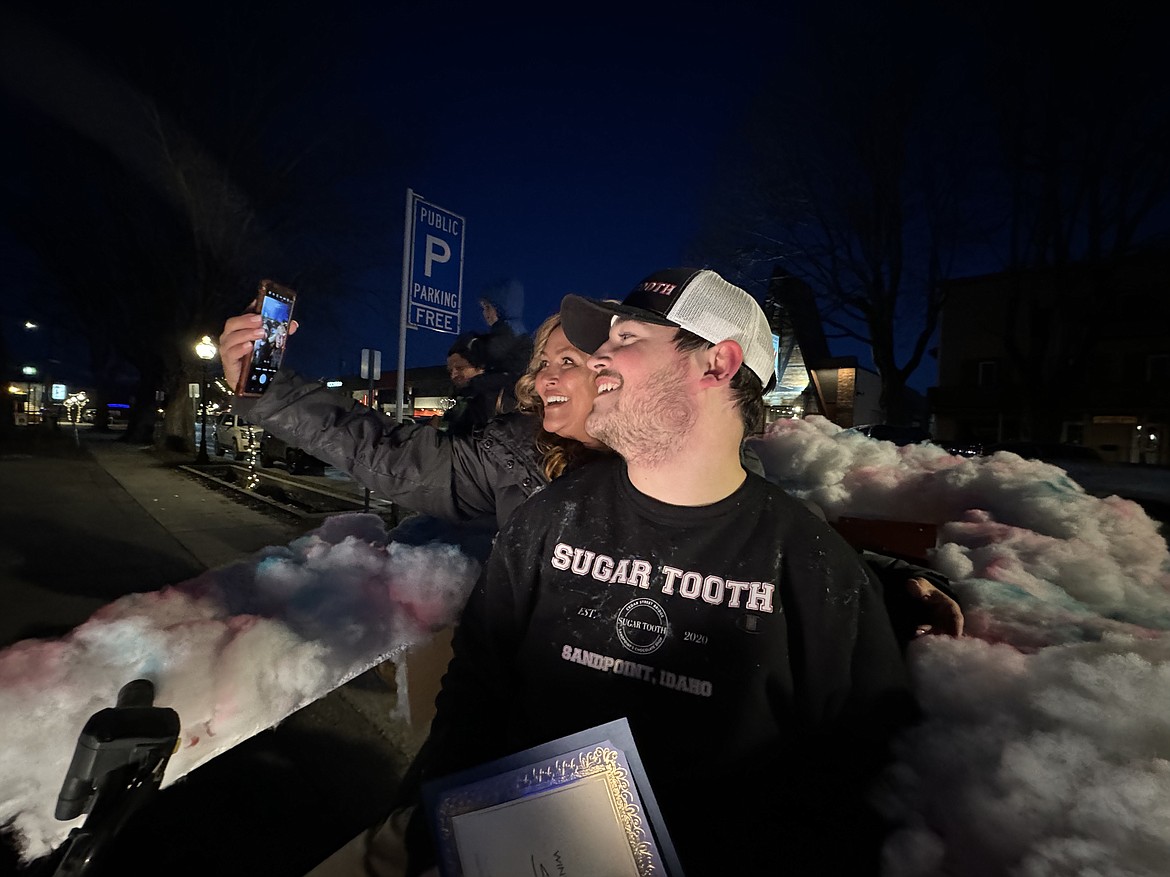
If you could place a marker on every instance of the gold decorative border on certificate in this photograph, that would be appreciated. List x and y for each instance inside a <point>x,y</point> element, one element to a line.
<point>601,759</point>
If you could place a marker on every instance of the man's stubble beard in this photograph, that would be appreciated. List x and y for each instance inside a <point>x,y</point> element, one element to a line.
<point>649,427</point>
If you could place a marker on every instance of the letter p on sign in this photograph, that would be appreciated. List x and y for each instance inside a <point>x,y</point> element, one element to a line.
<point>437,251</point>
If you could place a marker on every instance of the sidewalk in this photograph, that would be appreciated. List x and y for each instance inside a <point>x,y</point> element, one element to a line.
<point>89,519</point>
<point>213,528</point>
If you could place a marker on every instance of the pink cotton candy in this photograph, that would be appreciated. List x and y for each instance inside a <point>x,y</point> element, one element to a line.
<point>1046,741</point>
<point>233,651</point>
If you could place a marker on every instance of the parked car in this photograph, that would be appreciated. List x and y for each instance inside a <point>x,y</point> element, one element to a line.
<point>1049,452</point>
<point>916,435</point>
<point>899,435</point>
<point>297,461</point>
<point>961,448</point>
<point>232,431</point>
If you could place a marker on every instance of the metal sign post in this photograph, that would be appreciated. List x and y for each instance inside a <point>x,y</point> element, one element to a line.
<point>372,369</point>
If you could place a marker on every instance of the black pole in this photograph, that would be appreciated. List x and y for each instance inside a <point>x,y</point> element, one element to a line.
<point>202,455</point>
<point>369,363</point>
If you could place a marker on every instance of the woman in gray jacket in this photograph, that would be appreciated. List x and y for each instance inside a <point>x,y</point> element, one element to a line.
<point>480,477</point>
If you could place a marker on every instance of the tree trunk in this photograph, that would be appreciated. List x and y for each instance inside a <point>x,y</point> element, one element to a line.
<point>178,432</point>
<point>143,413</point>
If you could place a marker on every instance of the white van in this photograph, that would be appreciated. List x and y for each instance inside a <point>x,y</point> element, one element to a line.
<point>232,431</point>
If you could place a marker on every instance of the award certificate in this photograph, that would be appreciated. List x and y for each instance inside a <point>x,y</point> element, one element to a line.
<point>579,805</point>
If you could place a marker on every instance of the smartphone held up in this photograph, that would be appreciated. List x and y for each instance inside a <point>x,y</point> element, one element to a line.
<point>275,305</point>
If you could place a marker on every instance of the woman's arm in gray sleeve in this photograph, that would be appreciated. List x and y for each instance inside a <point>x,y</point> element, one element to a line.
<point>412,464</point>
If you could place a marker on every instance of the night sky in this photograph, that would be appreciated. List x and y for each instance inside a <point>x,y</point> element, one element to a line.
<point>583,146</point>
<point>579,146</point>
<point>578,151</point>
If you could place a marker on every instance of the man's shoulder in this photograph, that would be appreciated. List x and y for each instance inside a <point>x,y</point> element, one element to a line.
<point>798,517</point>
<point>778,496</point>
<point>588,481</point>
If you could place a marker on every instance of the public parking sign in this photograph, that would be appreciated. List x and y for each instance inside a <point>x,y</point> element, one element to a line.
<point>435,285</point>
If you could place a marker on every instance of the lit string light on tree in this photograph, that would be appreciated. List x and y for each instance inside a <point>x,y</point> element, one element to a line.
<point>253,451</point>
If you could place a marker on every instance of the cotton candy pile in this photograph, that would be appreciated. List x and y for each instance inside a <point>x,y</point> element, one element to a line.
<point>1045,748</point>
<point>233,651</point>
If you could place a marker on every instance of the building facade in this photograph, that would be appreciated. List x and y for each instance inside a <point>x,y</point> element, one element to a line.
<point>809,380</point>
<point>1087,347</point>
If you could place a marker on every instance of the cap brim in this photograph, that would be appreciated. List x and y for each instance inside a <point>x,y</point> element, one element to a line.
<point>586,321</point>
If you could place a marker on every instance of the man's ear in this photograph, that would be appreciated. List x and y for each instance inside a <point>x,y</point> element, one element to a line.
<point>722,362</point>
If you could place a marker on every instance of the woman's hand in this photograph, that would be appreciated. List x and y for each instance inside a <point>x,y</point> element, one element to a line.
<point>940,614</point>
<point>236,340</point>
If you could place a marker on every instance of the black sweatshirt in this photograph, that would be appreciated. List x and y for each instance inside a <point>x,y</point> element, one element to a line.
<point>745,641</point>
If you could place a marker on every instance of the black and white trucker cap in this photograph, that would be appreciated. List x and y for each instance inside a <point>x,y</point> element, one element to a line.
<point>695,299</point>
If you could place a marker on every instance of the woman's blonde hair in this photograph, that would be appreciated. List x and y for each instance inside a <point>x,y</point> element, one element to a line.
<point>557,452</point>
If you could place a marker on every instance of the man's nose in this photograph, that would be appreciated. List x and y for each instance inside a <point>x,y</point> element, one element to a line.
<point>600,357</point>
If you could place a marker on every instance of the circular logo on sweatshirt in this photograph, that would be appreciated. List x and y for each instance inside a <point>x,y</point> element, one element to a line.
<point>642,626</point>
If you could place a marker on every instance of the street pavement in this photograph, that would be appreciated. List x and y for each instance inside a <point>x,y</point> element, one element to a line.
<point>88,518</point>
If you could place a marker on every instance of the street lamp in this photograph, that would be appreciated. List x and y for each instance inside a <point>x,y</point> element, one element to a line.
<point>205,350</point>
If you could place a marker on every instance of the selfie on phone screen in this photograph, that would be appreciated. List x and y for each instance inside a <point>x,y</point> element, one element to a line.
<point>276,304</point>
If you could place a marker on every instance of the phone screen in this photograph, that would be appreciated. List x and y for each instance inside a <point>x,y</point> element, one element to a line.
<point>276,314</point>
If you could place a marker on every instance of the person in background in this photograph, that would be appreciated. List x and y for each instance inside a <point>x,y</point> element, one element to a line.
<point>672,559</point>
<point>476,402</point>
<point>506,347</point>
<point>460,367</point>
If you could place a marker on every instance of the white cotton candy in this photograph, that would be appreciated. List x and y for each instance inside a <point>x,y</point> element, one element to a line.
<point>1045,745</point>
<point>233,651</point>
<point>1045,750</point>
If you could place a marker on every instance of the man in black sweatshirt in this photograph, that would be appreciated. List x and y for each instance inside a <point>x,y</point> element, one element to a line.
<point>742,638</point>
